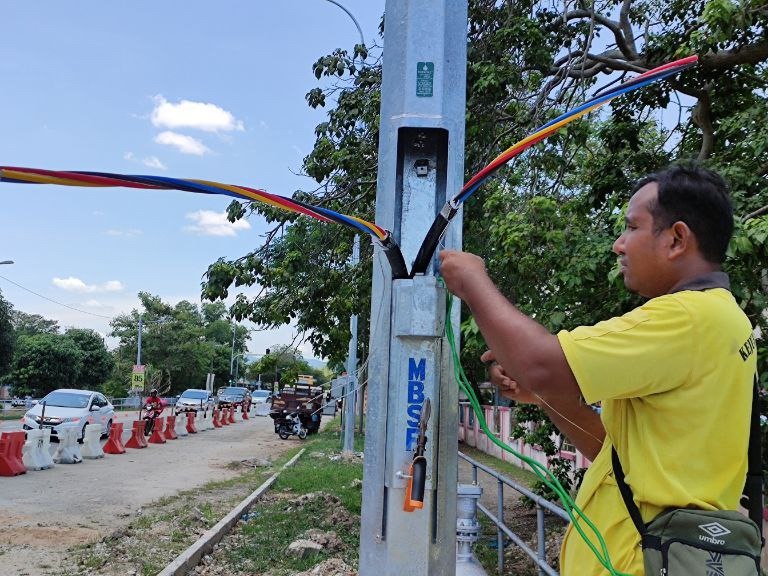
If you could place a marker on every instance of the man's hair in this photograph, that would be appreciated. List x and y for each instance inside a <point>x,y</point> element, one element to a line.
<point>698,197</point>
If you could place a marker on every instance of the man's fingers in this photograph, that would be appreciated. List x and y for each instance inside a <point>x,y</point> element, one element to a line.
<point>487,356</point>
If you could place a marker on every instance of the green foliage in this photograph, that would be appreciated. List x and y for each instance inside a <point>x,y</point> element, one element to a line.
<point>181,343</point>
<point>6,335</point>
<point>97,362</point>
<point>44,362</point>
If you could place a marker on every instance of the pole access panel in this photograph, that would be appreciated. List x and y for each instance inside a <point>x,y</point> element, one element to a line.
<point>408,524</point>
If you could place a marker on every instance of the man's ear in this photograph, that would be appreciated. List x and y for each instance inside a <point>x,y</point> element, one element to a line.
<point>682,239</point>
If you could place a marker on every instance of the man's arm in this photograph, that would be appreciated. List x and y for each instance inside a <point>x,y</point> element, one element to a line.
<point>529,354</point>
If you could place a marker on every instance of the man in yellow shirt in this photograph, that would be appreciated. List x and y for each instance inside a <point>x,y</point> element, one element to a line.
<point>674,376</point>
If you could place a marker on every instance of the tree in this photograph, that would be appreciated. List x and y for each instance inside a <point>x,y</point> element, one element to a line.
<point>30,324</point>
<point>6,335</point>
<point>97,361</point>
<point>282,364</point>
<point>45,362</point>
<point>182,342</point>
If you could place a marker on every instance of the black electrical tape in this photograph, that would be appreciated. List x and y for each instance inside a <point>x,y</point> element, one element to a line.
<point>395,258</point>
<point>429,245</point>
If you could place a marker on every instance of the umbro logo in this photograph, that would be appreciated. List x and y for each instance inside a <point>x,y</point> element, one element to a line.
<point>715,532</point>
<point>714,529</point>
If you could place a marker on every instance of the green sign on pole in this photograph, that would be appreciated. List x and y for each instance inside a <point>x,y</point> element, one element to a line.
<point>137,378</point>
<point>425,79</point>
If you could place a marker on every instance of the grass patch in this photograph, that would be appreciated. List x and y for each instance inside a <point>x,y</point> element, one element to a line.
<point>323,491</point>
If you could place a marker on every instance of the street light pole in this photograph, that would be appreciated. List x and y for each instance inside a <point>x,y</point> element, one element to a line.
<point>232,355</point>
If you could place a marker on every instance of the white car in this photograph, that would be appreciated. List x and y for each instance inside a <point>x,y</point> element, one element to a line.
<point>71,407</point>
<point>193,400</point>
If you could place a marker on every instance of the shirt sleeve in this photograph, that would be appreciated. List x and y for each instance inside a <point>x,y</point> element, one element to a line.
<point>647,351</point>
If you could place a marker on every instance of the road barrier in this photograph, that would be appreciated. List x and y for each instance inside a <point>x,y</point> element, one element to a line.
<point>114,444</point>
<point>216,423</point>
<point>11,445</point>
<point>245,412</point>
<point>157,431</point>
<point>191,423</point>
<point>137,439</point>
<point>231,417</point>
<point>170,432</point>
<point>91,448</point>
<point>181,424</point>
<point>68,451</point>
<point>35,452</point>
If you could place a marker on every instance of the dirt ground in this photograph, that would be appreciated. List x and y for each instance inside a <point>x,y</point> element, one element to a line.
<point>43,513</point>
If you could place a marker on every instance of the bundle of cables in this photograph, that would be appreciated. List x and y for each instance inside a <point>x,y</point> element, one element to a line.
<point>436,231</point>
<point>550,480</point>
<point>103,179</point>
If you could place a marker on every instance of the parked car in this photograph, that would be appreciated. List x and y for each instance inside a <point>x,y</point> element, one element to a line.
<point>234,396</point>
<point>70,407</point>
<point>193,399</point>
<point>17,402</point>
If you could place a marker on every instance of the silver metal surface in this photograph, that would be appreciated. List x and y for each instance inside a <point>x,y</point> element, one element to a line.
<point>421,155</point>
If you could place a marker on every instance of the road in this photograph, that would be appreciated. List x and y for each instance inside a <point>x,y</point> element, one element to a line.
<point>43,513</point>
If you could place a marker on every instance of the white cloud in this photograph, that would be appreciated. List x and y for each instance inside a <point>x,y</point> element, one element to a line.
<point>153,162</point>
<point>129,156</point>
<point>196,115</point>
<point>182,143</point>
<point>73,284</point>
<point>130,233</point>
<point>209,223</point>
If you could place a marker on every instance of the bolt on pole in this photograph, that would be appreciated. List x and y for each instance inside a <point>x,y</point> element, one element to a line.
<point>421,157</point>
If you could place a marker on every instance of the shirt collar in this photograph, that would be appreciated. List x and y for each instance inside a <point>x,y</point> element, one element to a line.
<point>718,279</point>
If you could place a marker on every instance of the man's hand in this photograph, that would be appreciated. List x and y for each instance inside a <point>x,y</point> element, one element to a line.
<point>508,387</point>
<point>461,271</point>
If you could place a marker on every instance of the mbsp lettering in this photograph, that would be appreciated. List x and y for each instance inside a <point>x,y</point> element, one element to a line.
<point>417,374</point>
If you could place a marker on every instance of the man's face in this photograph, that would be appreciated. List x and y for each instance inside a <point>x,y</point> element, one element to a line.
<point>642,253</point>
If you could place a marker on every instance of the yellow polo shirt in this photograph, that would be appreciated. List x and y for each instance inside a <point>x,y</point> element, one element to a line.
<point>675,380</point>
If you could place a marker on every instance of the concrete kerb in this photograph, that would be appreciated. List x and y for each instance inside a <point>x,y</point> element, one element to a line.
<point>191,557</point>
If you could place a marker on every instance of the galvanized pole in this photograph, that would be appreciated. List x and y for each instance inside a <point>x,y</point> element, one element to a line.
<point>138,347</point>
<point>349,397</point>
<point>421,157</point>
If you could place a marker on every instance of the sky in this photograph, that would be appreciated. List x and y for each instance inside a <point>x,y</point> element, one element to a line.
<point>181,89</point>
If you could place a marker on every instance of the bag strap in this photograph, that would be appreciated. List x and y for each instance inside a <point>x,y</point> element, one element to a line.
<point>752,498</point>
<point>626,493</point>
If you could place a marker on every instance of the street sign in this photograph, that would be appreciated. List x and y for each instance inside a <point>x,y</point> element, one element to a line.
<point>137,377</point>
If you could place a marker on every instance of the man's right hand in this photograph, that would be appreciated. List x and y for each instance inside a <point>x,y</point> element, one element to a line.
<point>508,387</point>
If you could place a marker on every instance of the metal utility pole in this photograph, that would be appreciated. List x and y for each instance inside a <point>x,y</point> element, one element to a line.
<point>421,156</point>
<point>351,394</point>
<point>138,347</point>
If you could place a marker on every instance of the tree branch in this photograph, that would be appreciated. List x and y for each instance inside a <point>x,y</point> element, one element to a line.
<point>616,28</point>
<point>702,117</point>
<point>749,54</point>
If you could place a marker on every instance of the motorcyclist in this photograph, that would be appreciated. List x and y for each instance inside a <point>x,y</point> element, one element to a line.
<point>153,407</point>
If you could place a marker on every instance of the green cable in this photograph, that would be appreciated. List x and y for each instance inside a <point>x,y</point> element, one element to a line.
<point>574,512</point>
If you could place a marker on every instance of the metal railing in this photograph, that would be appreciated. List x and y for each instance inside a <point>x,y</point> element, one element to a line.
<point>538,556</point>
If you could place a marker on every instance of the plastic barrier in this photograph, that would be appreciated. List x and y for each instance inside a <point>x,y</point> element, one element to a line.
<point>215,420</point>
<point>11,445</point>
<point>245,412</point>
<point>231,416</point>
<point>114,444</point>
<point>199,424</point>
<point>191,423</point>
<point>181,424</point>
<point>68,451</point>
<point>261,409</point>
<point>157,436</point>
<point>170,428</point>
<point>137,439</point>
<point>91,447</point>
<point>36,453</point>
<point>224,417</point>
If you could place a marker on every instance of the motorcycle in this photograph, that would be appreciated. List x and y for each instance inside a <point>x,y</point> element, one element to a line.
<point>291,425</point>
<point>151,412</point>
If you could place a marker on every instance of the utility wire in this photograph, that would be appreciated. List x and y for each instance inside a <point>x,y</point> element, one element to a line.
<point>55,301</point>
